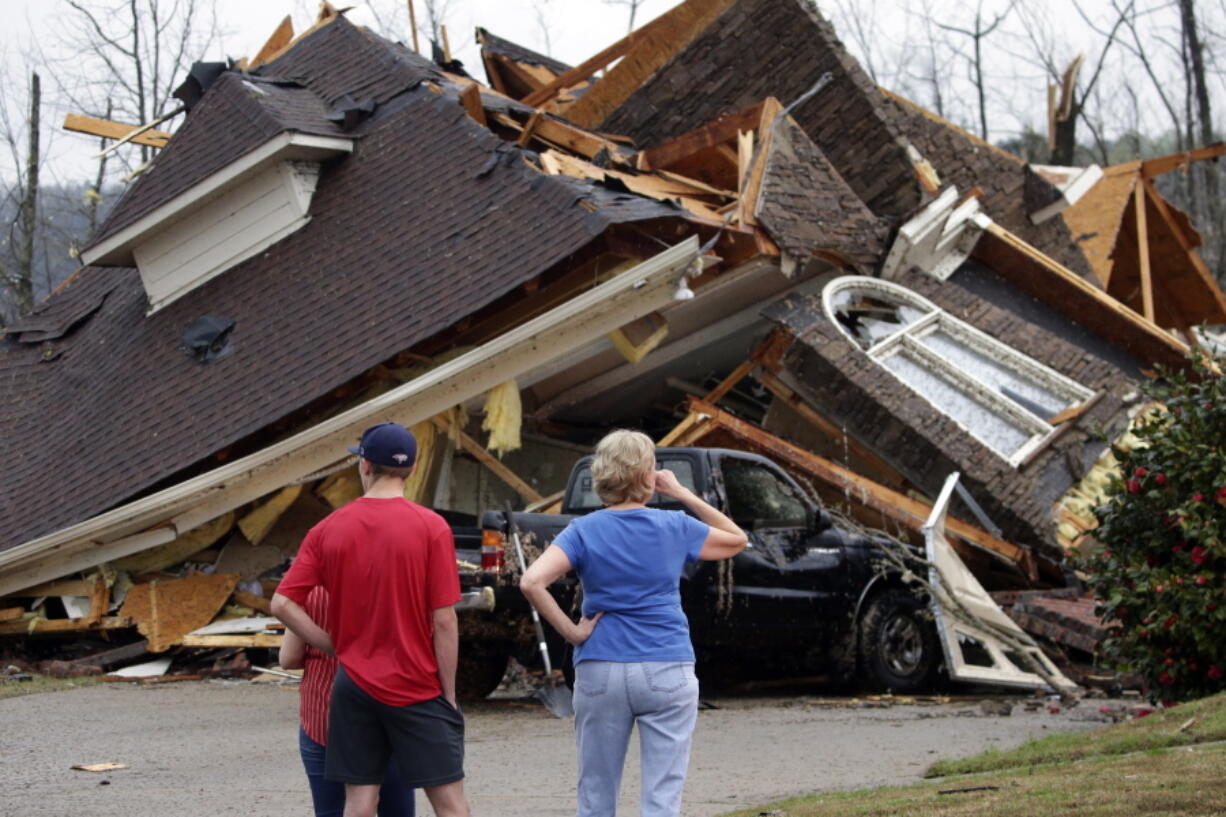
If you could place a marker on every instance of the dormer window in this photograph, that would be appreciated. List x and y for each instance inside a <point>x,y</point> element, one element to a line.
<point>1003,398</point>
<point>230,216</point>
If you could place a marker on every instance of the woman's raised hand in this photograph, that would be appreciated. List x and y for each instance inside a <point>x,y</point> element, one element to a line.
<point>668,485</point>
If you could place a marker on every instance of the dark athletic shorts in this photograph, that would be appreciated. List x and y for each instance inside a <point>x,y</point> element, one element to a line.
<point>425,740</point>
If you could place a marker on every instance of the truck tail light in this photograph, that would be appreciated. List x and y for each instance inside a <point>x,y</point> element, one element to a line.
<point>492,547</point>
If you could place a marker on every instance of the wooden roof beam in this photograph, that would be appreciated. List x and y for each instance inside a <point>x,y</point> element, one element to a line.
<point>114,130</point>
<point>282,36</point>
<point>1165,164</point>
<point>1147,283</point>
<point>719,132</point>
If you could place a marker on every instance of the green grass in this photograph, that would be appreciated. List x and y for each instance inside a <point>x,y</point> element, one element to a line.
<point>1177,782</point>
<point>1157,731</point>
<point>42,683</point>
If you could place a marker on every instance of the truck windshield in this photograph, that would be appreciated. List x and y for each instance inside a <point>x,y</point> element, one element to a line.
<point>584,497</point>
<point>758,498</point>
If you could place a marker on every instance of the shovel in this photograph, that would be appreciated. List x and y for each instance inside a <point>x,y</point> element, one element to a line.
<point>555,698</point>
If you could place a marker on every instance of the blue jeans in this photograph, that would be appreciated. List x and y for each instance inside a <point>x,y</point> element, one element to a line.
<point>329,796</point>
<point>610,698</point>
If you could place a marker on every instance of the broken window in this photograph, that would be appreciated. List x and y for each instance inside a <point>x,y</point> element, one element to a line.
<point>1002,397</point>
<point>758,498</point>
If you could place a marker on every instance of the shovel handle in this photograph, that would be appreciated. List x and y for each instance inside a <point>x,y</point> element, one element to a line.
<point>523,567</point>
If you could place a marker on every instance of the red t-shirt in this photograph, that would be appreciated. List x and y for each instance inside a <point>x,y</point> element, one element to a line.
<point>387,564</point>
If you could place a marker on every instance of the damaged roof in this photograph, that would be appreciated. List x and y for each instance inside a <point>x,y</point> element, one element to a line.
<point>422,225</point>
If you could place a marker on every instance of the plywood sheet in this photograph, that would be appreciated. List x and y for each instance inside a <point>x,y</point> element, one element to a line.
<point>165,611</point>
<point>1095,219</point>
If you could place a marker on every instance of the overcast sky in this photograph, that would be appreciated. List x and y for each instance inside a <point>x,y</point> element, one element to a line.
<point>889,36</point>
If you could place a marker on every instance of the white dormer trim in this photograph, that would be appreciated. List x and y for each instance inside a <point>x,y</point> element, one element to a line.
<point>939,238</point>
<point>1072,182</point>
<point>234,214</point>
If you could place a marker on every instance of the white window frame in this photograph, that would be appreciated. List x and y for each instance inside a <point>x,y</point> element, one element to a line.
<point>908,338</point>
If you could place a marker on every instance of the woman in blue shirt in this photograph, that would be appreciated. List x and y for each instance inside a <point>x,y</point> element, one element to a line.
<point>633,659</point>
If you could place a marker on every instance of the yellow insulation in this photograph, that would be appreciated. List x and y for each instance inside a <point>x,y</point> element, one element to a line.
<point>503,417</point>
<point>416,485</point>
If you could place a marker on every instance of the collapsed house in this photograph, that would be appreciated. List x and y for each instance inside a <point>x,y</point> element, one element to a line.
<point>719,206</point>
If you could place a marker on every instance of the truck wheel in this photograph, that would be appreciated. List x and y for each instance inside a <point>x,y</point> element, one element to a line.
<point>898,648</point>
<point>480,670</point>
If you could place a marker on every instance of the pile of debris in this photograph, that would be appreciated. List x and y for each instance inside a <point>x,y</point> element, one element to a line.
<point>563,250</point>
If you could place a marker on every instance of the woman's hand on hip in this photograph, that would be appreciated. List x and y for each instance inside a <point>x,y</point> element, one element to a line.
<point>583,629</point>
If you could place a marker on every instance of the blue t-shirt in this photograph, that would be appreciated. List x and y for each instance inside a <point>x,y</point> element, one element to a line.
<point>630,564</point>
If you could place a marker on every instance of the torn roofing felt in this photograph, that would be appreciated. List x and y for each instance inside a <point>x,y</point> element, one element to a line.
<point>253,113</point>
<point>808,208</point>
<point>780,48</point>
<point>405,239</point>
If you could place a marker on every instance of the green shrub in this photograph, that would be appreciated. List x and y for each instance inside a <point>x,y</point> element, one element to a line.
<point>1158,568</point>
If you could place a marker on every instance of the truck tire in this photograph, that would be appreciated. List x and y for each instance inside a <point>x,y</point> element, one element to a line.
<point>898,647</point>
<point>480,670</point>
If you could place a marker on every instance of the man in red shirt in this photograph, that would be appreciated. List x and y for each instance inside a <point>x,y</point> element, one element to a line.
<point>389,568</point>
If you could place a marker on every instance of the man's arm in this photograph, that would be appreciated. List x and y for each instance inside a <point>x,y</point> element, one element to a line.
<point>446,649</point>
<point>293,651</point>
<point>296,619</point>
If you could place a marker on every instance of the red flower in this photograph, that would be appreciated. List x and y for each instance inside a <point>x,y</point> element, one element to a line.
<point>1192,666</point>
<point>1134,487</point>
<point>1143,633</point>
<point>1221,492</point>
<point>1158,588</point>
<point>1213,672</point>
<point>1199,554</point>
<point>1201,581</point>
<point>1150,561</point>
<point>1141,472</point>
<point>1178,580</point>
<point>1210,607</point>
<point>1195,497</point>
<point>1170,662</point>
<point>1177,548</point>
<point>1170,622</point>
<point>1165,678</point>
<point>1160,478</point>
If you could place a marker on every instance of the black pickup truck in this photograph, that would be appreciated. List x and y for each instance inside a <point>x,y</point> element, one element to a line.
<point>805,597</point>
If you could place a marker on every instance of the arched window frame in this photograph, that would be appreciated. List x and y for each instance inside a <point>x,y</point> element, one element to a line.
<point>907,338</point>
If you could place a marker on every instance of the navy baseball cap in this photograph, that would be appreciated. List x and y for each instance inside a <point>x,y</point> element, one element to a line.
<point>388,444</point>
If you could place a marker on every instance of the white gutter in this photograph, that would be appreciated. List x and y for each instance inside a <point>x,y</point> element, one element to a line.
<point>159,518</point>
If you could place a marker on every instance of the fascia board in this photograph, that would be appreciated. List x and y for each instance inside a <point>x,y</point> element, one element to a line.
<point>1070,194</point>
<point>626,297</point>
<point>117,249</point>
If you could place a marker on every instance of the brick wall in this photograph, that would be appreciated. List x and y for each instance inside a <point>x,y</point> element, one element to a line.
<point>924,443</point>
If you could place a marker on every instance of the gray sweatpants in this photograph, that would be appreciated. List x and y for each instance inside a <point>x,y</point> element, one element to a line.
<point>610,698</point>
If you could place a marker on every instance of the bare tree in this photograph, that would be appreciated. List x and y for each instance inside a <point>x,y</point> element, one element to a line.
<point>17,268</point>
<point>132,54</point>
<point>977,34</point>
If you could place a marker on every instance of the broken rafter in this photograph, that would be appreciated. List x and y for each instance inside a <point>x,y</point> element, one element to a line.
<point>282,36</point>
<point>115,130</point>
<point>470,98</point>
<point>1165,164</point>
<point>1147,283</point>
<point>721,132</point>
<point>488,460</point>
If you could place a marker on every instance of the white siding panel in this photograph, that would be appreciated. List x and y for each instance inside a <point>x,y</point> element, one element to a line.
<point>222,217</point>
<point>221,234</point>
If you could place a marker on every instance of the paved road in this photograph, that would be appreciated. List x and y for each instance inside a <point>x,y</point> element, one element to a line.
<point>219,748</point>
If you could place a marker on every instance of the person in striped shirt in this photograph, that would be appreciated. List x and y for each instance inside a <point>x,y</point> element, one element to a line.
<point>315,693</point>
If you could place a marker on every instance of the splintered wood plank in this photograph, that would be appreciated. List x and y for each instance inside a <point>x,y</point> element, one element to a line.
<point>281,37</point>
<point>1165,164</point>
<point>65,625</point>
<point>239,641</point>
<point>99,598</point>
<point>114,130</point>
<point>752,189</point>
<point>165,611</point>
<point>67,587</point>
<point>11,613</point>
<point>470,98</point>
<point>1147,282</point>
<point>719,132</point>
